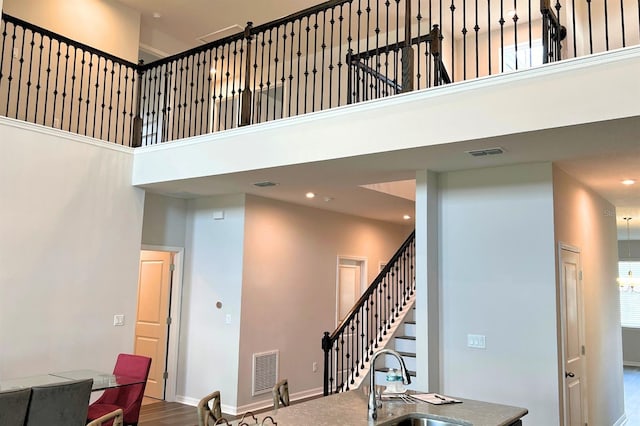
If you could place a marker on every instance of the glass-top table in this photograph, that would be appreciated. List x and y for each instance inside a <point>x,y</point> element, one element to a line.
<point>101,381</point>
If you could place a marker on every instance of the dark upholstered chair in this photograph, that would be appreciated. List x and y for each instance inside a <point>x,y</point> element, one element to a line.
<point>113,418</point>
<point>128,398</point>
<point>281,394</point>
<point>209,414</point>
<point>60,404</point>
<point>13,407</point>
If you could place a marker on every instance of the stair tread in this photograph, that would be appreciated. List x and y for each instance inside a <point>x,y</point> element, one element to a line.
<point>410,322</point>
<point>385,369</point>
<point>406,337</point>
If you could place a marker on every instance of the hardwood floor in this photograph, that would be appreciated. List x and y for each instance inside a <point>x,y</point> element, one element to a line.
<point>632,395</point>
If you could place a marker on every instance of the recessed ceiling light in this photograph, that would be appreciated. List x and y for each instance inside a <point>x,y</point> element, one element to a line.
<point>310,195</point>
<point>628,182</point>
<point>406,217</point>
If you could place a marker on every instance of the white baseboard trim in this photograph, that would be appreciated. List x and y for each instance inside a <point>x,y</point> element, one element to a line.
<point>631,363</point>
<point>621,421</point>
<point>259,405</point>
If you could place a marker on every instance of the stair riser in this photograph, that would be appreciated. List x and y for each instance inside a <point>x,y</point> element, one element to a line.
<point>404,345</point>
<point>410,330</point>
<point>391,362</point>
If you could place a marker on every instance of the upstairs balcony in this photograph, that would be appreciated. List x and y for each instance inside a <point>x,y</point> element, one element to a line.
<point>336,53</point>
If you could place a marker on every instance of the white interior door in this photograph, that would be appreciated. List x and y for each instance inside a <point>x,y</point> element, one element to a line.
<point>153,312</point>
<point>573,339</point>
<point>351,282</point>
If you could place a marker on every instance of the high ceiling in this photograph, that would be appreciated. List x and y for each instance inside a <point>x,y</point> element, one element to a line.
<point>606,153</point>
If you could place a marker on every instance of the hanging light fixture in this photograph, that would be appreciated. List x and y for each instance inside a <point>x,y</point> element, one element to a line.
<point>629,281</point>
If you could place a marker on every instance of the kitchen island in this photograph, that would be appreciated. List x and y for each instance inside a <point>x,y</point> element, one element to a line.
<point>350,409</point>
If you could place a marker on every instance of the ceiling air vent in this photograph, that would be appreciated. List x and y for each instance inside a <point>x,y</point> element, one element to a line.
<point>220,34</point>
<point>486,151</point>
<point>264,184</point>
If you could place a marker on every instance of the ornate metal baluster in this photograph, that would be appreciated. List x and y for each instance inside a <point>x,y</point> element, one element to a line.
<point>590,27</point>
<point>291,47</point>
<point>501,21</point>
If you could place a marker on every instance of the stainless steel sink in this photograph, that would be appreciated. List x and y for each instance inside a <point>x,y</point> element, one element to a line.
<point>420,420</point>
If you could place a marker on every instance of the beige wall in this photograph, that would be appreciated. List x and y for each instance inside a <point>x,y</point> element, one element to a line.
<point>70,223</point>
<point>103,24</point>
<point>581,220</point>
<point>164,220</point>
<point>289,283</point>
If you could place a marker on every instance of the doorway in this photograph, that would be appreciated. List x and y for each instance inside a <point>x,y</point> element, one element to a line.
<point>351,282</point>
<point>572,328</point>
<point>157,318</point>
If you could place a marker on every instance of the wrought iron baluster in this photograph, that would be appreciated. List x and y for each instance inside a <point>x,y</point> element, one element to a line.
<point>95,98</point>
<point>515,31</point>
<point>26,108</point>
<point>104,90</point>
<point>291,48</point>
<point>117,106</point>
<point>502,22</point>
<point>199,97</point>
<point>452,8</point>
<point>590,27</point>
<point>190,104</point>
<point>624,44</point>
<point>38,86</point>
<point>489,49</point>
<point>606,25</point>
<point>323,46</point>
<point>113,71</point>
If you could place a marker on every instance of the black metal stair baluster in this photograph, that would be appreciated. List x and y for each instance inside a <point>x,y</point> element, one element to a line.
<point>292,37</point>
<point>358,50</point>
<point>515,31</point>
<point>624,44</point>
<point>396,53</point>
<point>323,47</point>
<point>606,25</point>
<point>215,76</point>
<point>117,104</point>
<point>20,93</point>
<point>265,91</point>
<point>464,39</point>
<point>228,95</point>
<point>208,95</point>
<point>177,99</point>
<point>38,85</point>
<point>283,79</point>
<point>201,72</point>
<point>332,22</point>
<point>152,104</point>
<point>452,8</point>
<point>590,27</point>
<point>530,35</point>
<point>256,71</point>
<point>104,94</point>
<point>87,100</point>
<point>220,79</point>
<point>501,21</point>
<point>476,29</point>
<point>95,97</point>
<point>4,40</point>
<point>314,70</point>
<point>339,63</point>
<point>418,67</point>
<point>145,112</point>
<point>489,49</point>
<point>276,59</point>
<point>26,108</point>
<point>126,127</point>
<point>191,106</point>
<point>306,64</point>
<point>188,97</point>
<point>110,108</point>
<point>298,75</point>
<point>10,78</point>
<point>158,109</point>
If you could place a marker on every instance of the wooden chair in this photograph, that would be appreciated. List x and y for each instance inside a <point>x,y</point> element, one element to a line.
<point>281,394</point>
<point>209,414</point>
<point>13,407</point>
<point>115,416</point>
<point>60,404</point>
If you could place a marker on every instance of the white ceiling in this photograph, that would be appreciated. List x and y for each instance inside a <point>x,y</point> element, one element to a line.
<point>598,154</point>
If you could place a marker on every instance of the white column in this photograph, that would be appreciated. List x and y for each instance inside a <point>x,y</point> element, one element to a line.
<point>427,282</point>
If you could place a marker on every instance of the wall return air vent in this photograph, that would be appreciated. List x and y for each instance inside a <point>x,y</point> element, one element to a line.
<point>265,372</point>
<point>487,151</point>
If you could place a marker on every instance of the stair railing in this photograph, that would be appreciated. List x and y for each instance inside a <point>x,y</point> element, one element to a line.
<point>350,346</point>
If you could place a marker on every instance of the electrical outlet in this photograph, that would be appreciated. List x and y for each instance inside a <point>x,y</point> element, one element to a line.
<point>227,319</point>
<point>314,367</point>
<point>118,320</point>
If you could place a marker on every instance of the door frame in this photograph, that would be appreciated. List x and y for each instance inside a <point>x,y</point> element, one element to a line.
<point>561,311</point>
<point>363,279</point>
<point>175,308</point>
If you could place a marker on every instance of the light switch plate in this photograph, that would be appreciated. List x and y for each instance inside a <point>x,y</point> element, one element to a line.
<point>118,320</point>
<point>477,341</point>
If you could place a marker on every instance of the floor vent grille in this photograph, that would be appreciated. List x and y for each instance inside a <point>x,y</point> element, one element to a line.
<point>265,372</point>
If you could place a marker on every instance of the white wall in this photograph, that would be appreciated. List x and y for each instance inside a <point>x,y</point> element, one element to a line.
<point>164,221</point>
<point>497,271</point>
<point>587,221</point>
<point>70,226</point>
<point>289,284</point>
<point>208,358</point>
<point>630,250</point>
<point>103,24</point>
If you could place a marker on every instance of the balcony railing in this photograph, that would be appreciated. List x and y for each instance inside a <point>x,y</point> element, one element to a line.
<point>333,54</point>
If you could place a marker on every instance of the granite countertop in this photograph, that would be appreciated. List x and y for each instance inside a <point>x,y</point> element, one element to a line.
<point>350,408</point>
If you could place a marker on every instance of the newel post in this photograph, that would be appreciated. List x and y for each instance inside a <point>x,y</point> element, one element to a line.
<point>435,37</point>
<point>326,347</point>
<point>136,136</point>
<point>407,51</point>
<point>245,117</point>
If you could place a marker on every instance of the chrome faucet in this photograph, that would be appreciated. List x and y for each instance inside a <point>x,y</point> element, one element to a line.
<point>373,407</point>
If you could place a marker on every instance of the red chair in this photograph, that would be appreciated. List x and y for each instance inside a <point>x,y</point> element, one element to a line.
<point>128,398</point>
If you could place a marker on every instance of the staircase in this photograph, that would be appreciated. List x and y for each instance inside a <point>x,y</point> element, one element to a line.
<point>382,317</point>
<point>403,341</point>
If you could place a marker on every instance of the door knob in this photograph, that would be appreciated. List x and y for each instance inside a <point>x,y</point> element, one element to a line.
<point>569,374</point>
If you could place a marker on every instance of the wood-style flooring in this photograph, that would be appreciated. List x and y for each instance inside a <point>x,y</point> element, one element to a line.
<point>160,413</point>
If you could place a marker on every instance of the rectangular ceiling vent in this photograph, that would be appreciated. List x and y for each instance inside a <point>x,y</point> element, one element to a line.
<point>220,34</point>
<point>264,184</point>
<point>265,372</point>
<point>486,151</point>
